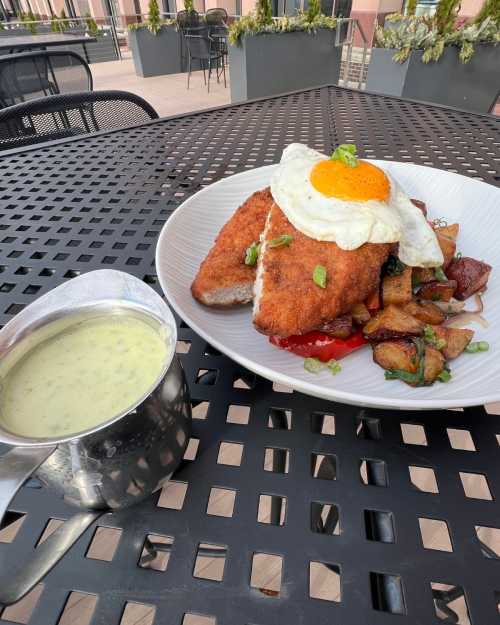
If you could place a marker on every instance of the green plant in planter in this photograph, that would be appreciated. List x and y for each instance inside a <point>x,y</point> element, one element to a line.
<point>154,22</point>
<point>313,10</point>
<point>264,13</point>
<point>189,6</point>
<point>63,24</point>
<point>30,20</point>
<point>490,8</point>
<point>411,7</point>
<point>433,34</point>
<point>91,25</point>
<point>252,24</point>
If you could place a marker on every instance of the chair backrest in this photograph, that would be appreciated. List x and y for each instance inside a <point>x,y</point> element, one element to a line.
<point>74,113</point>
<point>185,19</point>
<point>31,75</point>
<point>199,46</point>
<point>216,17</point>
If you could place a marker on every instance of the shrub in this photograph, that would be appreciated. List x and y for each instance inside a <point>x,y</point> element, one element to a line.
<point>313,10</point>
<point>411,7</point>
<point>250,25</point>
<point>91,25</point>
<point>264,13</point>
<point>154,22</point>
<point>189,6</point>
<point>446,15</point>
<point>30,20</point>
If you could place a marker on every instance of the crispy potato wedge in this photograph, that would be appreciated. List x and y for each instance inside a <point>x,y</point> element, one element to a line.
<point>450,231</point>
<point>425,311</point>
<point>433,364</point>
<point>438,291</point>
<point>340,328</point>
<point>471,276</point>
<point>456,339</point>
<point>420,204</point>
<point>397,354</point>
<point>397,289</point>
<point>448,247</point>
<point>422,276</point>
<point>392,322</point>
<point>360,314</point>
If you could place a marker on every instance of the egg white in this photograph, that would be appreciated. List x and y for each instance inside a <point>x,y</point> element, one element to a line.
<point>351,223</point>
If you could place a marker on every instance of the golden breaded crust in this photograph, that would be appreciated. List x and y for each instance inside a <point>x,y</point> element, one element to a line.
<point>223,279</point>
<point>289,301</point>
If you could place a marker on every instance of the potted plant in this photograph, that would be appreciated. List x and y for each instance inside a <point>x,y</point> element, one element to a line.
<point>431,59</point>
<point>268,56</point>
<point>155,45</point>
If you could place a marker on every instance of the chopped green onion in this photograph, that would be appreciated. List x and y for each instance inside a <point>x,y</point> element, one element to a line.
<point>346,153</point>
<point>477,346</point>
<point>319,276</point>
<point>334,366</point>
<point>444,376</point>
<point>313,365</point>
<point>282,240</point>
<point>401,374</point>
<point>457,256</point>
<point>252,254</point>
<point>440,274</point>
<point>431,339</point>
<point>436,297</point>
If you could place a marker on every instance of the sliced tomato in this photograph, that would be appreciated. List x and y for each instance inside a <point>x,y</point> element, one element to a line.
<point>320,345</point>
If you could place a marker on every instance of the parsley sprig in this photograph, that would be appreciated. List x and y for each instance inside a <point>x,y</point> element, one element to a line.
<point>346,153</point>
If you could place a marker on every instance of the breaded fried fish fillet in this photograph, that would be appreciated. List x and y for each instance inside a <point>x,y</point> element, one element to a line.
<point>223,279</point>
<point>287,301</point>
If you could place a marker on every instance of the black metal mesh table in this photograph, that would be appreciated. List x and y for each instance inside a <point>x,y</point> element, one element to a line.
<point>343,487</point>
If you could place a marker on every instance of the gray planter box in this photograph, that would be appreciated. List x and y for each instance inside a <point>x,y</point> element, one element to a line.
<point>274,63</point>
<point>471,86</point>
<point>155,55</point>
<point>100,51</point>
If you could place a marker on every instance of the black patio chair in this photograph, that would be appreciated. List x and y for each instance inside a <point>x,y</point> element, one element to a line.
<point>58,116</point>
<point>216,17</point>
<point>188,19</point>
<point>204,49</point>
<point>30,75</point>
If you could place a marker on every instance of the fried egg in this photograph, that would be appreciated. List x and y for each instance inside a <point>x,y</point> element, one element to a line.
<point>329,201</point>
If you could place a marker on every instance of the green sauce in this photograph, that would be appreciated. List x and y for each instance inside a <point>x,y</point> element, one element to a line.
<point>78,372</point>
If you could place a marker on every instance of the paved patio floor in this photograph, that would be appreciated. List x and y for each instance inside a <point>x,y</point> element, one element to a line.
<point>167,94</point>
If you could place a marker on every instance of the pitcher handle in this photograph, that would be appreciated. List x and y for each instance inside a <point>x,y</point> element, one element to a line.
<point>15,468</point>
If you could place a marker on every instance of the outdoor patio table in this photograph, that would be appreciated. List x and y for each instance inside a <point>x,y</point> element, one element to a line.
<point>9,45</point>
<point>100,201</point>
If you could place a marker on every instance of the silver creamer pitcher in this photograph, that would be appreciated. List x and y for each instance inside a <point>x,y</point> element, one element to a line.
<point>118,462</point>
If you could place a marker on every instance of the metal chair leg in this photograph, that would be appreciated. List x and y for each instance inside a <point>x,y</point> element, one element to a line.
<point>209,72</point>
<point>204,75</point>
<point>224,72</point>
<point>189,69</point>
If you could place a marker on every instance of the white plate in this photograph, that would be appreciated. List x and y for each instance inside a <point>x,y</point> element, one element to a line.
<point>189,234</point>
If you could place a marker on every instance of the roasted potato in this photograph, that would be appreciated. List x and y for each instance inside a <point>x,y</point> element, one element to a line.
<point>392,322</point>
<point>438,291</point>
<point>425,311</point>
<point>398,354</point>
<point>448,247</point>
<point>471,275</point>
<point>360,314</point>
<point>420,204</point>
<point>422,276</point>
<point>340,328</point>
<point>397,289</point>
<point>450,231</point>
<point>433,364</point>
<point>456,339</point>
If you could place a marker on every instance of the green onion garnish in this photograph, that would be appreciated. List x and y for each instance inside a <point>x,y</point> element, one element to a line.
<point>346,153</point>
<point>282,240</point>
<point>477,346</point>
<point>431,339</point>
<point>319,276</point>
<point>416,379</point>
<point>444,376</point>
<point>334,366</point>
<point>440,274</point>
<point>252,254</point>
<point>313,365</point>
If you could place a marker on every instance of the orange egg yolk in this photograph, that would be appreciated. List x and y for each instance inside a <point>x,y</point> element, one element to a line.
<point>363,182</point>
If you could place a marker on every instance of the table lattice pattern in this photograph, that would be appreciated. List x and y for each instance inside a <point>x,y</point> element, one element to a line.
<point>327,492</point>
